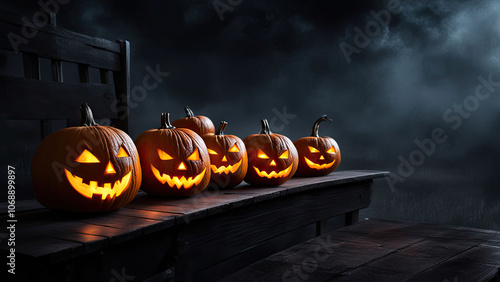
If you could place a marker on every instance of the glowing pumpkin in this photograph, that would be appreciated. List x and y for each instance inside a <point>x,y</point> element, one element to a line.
<point>317,155</point>
<point>272,158</point>
<point>200,124</point>
<point>89,168</point>
<point>174,161</point>
<point>228,158</point>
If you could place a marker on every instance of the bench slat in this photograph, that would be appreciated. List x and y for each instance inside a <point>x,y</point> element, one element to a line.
<point>53,100</point>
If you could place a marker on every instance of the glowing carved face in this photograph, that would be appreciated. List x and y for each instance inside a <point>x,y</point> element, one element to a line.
<point>179,181</point>
<point>111,185</point>
<point>274,172</point>
<point>320,162</point>
<point>227,159</point>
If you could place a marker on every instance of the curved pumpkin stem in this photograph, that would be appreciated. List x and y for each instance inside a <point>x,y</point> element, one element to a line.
<point>316,125</point>
<point>165,121</point>
<point>222,127</point>
<point>87,116</point>
<point>265,127</point>
<point>189,112</point>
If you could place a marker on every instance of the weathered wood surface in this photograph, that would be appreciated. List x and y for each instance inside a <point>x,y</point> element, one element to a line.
<point>227,223</point>
<point>381,250</point>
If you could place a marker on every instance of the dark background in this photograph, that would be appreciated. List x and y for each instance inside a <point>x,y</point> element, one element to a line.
<point>264,58</point>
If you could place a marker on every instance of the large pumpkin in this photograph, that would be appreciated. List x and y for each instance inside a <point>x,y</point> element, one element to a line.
<point>175,161</point>
<point>317,155</point>
<point>200,124</point>
<point>90,168</point>
<point>272,158</point>
<point>228,158</point>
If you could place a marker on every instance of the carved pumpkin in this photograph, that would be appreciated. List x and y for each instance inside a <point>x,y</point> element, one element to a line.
<point>228,158</point>
<point>90,168</point>
<point>317,155</point>
<point>200,124</point>
<point>272,158</point>
<point>175,161</point>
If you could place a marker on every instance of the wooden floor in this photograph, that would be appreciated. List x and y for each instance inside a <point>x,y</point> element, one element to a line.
<point>380,250</point>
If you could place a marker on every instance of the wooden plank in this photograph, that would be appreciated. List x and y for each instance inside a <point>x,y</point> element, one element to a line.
<point>252,224</point>
<point>16,19</point>
<point>53,100</point>
<point>459,270</point>
<point>122,85</point>
<point>257,252</point>
<point>410,260</point>
<point>128,223</point>
<point>52,46</point>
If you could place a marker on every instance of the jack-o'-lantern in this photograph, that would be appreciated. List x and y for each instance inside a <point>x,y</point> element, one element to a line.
<point>89,168</point>
<point>175,161</point>
<point>200,124</point>
<point>228,158</point>
<point>272,158</point>
<point>317,155</point>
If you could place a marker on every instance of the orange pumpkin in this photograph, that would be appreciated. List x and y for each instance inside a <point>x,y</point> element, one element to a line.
<point>317,155</point>
<point>272,158</point>
<point>200,124</point>
<point>228,158</point>
<point>175,161</point>
<point>89,168</point>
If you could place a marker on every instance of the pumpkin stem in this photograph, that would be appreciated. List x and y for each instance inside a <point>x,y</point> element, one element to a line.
<point>87,116</point>
<point>265,127</point>
<point>165,121</point>
<point>189,112</point>
<point>316,125</point>
<point>222,127</point>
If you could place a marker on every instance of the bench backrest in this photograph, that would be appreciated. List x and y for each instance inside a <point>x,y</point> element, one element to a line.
<point>30,98</point>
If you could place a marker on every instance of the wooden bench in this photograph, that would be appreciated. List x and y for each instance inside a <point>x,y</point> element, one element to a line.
<point>205,237</point>
<point>381,250</point>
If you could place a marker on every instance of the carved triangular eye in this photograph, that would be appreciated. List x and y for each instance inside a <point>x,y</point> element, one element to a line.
<point>212,152</point>
<point>261,155</point>
<point>313,150</point>
<point>284,155</point>
<point>87,157</point>
<point>163,156</point>
<point>234,149</point>
<point>331,150</point>
<point>122,153</point>
<point>195,156</point>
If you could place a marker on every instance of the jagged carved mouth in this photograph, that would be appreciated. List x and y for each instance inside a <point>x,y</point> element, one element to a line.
<point>317,166</point>
<point>187,183</point>
<point>274,174</point>
<point>226,169</point>
<point>106,190</point>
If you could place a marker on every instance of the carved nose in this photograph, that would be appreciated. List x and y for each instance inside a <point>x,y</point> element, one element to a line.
<point>110,169</point>
<point>182,166</point>
<point>273,163</point>
<point>224,159</point>
<point>321,158</point>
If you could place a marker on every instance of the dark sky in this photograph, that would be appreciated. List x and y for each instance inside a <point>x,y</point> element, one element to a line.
<point>265,56</point>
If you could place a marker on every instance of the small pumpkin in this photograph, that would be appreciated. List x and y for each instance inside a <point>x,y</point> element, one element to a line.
<point>89,168</point>
<point>317,155</point>
<point>200,124</point>
<point>272,158</point>
<point>228,158</point>
<point>175,161</point>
